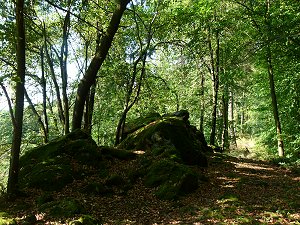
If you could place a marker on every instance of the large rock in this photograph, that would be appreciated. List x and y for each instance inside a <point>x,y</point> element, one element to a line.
<point>171,148</point>
<point>170,136</point>
<point>52,166</point>
<point>171,179</point>
<point>140,122</point>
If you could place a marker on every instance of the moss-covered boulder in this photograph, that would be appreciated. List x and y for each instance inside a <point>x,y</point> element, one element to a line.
<point>171,179</point>
<point>52,166</point>
<point>133,125</point>
<point>171,137</point>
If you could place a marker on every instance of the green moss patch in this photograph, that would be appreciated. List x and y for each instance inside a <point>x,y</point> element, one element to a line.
<point>63,208</point>
<point>133,125</point>
<point>86,220</point>
<point>171,179</point>
<point>52,166</point>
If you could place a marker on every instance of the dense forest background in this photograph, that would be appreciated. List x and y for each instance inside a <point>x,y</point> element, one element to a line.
<point>94,64</point>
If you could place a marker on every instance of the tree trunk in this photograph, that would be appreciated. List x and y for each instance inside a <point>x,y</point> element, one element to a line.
<point>10,108</point>
<point>64,72</point>
<point>90,75</point>
<point>121,125</point>
<point>54,80</point>
<point>274,103</point>
<point>202,102</point>
<point>89,109</point>
<point>44,85</point>
<point>215,79</point>
<point>225,100</point>
<point>272,83</point>
<point>242,115</point>
<point>232,122</point>
<point>12,185</point>
<point>128,105</point>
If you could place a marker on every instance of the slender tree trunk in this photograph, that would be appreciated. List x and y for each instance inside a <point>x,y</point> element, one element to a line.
<point>274,104</point>
<point>89,109</point>
<point>215,78</point>
<point>90,100</point>
<point>90,75</point>
<point>64,72</point>
<point>202,102</point>
<point>242,115</point>
<point>10,108</point>
<point>44,88</point>
<point>128,105</point>
<point>12,185</point>
<point>56,86</point>
<point>272,83</point>
<point>232,122</point>
<point>121,125</point>
<point>225,100</point>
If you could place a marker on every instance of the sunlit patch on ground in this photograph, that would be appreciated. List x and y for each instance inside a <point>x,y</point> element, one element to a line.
<point>251,166</point>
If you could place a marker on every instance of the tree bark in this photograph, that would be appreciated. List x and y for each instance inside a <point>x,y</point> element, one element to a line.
<point>225,100</point>
<point>202,102</point>
<point>232,122</point>
<point>272,83</point>
<point>274,103</point>
<point>44,90</point>
<point>215,79</point>
<point>128,105</point>
<point>64,72</point>
<point>54,80</point>
<point>10,108</point>
<point>90,75</point>
<point>12,185</point>
<point>89,109</point>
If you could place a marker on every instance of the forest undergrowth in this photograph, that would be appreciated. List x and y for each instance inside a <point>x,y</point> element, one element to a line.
<point>237,191</point>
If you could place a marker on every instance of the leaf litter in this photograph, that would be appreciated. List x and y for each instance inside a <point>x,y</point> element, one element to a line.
<point>238,191</point>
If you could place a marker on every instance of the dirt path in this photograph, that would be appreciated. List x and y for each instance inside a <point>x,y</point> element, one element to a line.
<point>244,191</point>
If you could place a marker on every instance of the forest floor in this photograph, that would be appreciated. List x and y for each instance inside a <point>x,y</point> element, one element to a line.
<point>237,191</point>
